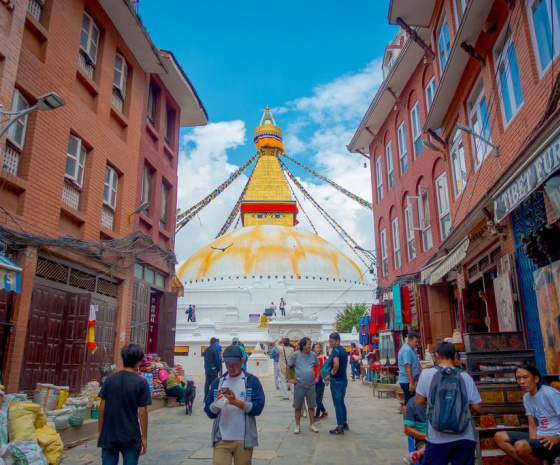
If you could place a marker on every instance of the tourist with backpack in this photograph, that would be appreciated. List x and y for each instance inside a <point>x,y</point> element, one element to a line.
<point>449,395</point>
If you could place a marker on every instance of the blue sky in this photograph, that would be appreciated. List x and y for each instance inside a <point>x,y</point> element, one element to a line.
<point>317,66</point>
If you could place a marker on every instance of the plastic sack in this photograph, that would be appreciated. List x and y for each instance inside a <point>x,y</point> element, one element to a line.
<point>9,398</point>
<point>51,443</point>
<point>21,421</point>
<point>47,395</point>
<point>6,455</point>
<point>3,429</point>
<point>77,415</point>
<point>59,418</point>
<point>64,393</point>
<point>27,453</point>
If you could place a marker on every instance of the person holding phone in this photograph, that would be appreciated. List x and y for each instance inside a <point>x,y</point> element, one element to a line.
<point>233,402</point>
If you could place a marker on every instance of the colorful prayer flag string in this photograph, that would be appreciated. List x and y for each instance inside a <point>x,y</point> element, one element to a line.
<point>234,211</point>
<point>183,218</point>
<point>299,203</point>
<point>339,229</point>
<point>362,202</point>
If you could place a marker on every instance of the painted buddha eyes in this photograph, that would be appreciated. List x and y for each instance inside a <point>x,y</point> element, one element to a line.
<point>259,215</point>
<point>264,215</point>
<point>277,216</point>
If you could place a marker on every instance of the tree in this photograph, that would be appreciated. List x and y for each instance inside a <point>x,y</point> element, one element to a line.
<point>350,317</point>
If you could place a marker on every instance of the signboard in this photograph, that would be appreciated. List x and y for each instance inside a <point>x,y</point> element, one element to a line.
<point>10,278</point>
<point>532,176</point>
<point>254,317</point>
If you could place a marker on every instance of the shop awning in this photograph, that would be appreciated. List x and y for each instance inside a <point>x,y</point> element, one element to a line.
<point>10,278</point>
<point>451,260</point>
<point>426,272</point>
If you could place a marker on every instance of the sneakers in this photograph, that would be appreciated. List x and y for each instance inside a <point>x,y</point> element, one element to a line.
<point>412,458</point>
<point>337,430</point>
<point>318,417</point>
<point>277,388</point>
<point>314,428</point>
<point>304,413</point>
<point>345,426</point>
<point>285,398</point>
<point>297,429</point>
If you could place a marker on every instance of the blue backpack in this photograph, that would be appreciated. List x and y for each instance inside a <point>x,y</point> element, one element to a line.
<point>448,404</point>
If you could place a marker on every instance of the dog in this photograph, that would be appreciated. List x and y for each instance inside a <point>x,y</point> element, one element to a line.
<point>190,396</point>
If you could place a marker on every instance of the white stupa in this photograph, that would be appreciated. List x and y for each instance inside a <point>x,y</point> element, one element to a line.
<point>233,279</point>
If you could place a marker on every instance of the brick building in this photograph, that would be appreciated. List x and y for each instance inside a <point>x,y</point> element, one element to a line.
<point>71,179</point>
<point>496,117</point>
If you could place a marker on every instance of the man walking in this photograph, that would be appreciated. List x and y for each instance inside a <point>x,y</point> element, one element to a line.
<point>125,397</point>
<point>339,382</point>
<point>234,402</point>
<point>282,306</point>
<point>304,363</point>
<point>275,356</point>
<point>273,308</point>
<point>457,444</point>
<point>409,366</point>
<point>285,351</point>
<point>189,314</point>
<point>212,365</point>
<point>219,350</point>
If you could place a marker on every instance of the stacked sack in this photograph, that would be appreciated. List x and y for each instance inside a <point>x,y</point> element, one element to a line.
<point>32,440</point>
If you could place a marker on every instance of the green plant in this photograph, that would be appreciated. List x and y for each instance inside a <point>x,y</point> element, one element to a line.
<point>350,317</point>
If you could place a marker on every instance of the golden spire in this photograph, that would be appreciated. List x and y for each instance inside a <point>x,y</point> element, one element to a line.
<point>267,134</point>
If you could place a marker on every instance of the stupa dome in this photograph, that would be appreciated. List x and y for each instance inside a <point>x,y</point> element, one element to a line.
<point>269,250</point>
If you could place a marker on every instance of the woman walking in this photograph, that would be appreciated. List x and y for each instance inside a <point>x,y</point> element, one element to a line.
<point>355,361</point>
<point>321,411</point>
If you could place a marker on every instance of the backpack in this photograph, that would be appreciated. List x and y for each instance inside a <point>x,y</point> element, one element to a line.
<point>448,404</point>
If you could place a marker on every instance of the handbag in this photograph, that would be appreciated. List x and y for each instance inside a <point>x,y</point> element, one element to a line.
<point>292,369</point>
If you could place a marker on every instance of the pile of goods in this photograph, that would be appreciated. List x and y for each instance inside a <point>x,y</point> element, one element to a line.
<point>149,369</point>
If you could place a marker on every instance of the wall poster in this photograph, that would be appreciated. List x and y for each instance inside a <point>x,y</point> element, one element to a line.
<point>504,302</point>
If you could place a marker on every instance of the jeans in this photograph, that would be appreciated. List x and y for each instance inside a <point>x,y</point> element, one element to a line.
<point>208,384</point>
<point>355,369</point>
<point>111,456</point>
<point>407,393</point>
<point>457,452</point>
<point>176,391</point>
<point>320,391</point>
<point>338,392</point>
<point>276,383</point>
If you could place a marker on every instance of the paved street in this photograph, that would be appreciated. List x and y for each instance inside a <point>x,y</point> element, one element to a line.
<point>375,435</point>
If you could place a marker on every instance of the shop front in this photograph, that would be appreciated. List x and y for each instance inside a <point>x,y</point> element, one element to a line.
<point>10,285</point>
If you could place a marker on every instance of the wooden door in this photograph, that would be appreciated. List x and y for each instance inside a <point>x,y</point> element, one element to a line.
<point>105,334</point>
<point>74,340</point>
<point>440,308</point>
<point>140,313</point>
<point>424,316</point>
<point>7,300</point>
<point>166,326</point>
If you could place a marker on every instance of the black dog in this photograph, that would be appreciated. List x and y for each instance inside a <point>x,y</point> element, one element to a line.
<point>190,395</point>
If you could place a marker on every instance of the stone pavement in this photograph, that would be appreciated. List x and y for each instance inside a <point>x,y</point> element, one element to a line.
<point>375,437</point>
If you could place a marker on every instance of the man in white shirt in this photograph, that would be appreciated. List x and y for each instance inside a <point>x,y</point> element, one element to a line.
<point>444,448</point>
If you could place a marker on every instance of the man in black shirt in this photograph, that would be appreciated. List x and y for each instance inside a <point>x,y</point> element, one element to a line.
<point>212,365</point>
<point>125,397</point>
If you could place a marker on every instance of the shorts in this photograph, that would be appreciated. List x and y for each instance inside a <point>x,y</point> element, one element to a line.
<point>538,450</point>
<point>307,393</point>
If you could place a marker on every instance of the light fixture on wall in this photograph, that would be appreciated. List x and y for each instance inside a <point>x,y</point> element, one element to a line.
<point>430,145</point>
<point>471,131</point>
<point>143,207</point>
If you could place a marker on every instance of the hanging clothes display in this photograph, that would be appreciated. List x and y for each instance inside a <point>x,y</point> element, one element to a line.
<point>407,316</point>
<point>397,305</point>
<point>387,353</point>
<point>413,310</point>
<point>363,330</point>
<point>377,319</point>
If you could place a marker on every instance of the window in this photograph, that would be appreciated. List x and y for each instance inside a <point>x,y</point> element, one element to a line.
<point>110,187</point>
<point>545,15</point>
<point>416,129</point>
<point>402,148</point>
<point>35,7</point>
<point>16,134</point>
<point>508,78</point>
<point>121,73</point>
<point>396,244</point>
<point>152,96</point>
<point>460,6</point>
<point>89,40</point>
<point>390,170</point>
<point>168,124</point>
<point>379,178</point>
<point>384,256</point>
<point>443,206</point>
<point>478,116</point>
<point>425,222</point>
<point>444,45</point>
<point>75,161</point>
<point>165,190</point>
<point>409,226</point>
<point>430,92</point>
<point>146,187</point>
<point>458,163</point>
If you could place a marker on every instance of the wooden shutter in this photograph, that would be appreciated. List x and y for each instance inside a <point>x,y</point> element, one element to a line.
<point>166,327</point>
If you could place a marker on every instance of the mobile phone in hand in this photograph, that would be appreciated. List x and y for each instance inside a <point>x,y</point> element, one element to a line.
<point>226,390</point>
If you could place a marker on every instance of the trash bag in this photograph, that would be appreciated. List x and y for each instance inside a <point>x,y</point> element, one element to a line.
<point>51,443</point>
<point>59,418</point>
<point>27,453</point>
<point>48,395</point>
<point>21,421</point>
<point>77,408</point>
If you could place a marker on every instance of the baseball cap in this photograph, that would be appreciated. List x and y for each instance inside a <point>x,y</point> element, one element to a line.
<point>235,339</point>
<point>232,354</point>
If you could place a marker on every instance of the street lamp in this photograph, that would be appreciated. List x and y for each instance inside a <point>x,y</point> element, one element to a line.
<point>434,147</point>
<point>47,102</point>
<point>371,254</point>
<point>472,132</point>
